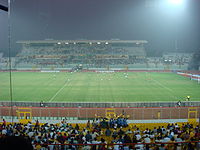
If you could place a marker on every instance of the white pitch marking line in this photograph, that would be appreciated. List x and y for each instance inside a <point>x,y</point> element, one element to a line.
<point>163,85</point>
<point>170,90</point>
<point>58,92</point>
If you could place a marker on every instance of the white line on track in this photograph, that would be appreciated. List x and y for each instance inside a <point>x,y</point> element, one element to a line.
<point>52,98</point>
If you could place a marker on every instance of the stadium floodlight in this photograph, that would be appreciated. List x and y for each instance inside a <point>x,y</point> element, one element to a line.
<point>173,6</point>
<point>176,2</point>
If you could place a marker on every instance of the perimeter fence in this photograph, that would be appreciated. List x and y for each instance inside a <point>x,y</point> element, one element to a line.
<point>100,104</point>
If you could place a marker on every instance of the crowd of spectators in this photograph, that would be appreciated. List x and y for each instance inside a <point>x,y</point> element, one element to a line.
<point>115,123</point>
<point>98,55</point>
<point>103,134</point>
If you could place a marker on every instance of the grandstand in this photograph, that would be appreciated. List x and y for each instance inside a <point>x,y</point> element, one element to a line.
<point>89,53</point>
<point>93,54</point>
<point>180,60</point>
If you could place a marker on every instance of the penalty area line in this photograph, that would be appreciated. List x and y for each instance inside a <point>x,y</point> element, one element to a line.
<point>52,98</point>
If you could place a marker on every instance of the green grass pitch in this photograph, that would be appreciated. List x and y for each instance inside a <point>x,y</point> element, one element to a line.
<point>98,87</point>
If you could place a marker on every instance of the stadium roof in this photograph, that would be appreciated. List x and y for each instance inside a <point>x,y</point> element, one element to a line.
<point>82,41</point>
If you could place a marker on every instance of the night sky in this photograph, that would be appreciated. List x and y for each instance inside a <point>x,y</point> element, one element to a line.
<point>159,23</point>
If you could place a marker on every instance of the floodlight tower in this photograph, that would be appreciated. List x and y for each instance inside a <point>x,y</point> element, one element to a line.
<point>176,2</point>
<point>175,7</point>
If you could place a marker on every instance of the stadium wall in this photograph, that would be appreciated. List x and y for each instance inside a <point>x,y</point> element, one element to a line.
<point>142,113</point>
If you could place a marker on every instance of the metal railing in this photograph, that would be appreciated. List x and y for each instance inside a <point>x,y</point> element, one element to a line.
<point>101,105</point>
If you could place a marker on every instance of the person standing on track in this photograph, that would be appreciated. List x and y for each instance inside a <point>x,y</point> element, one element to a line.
<point>188,98</point>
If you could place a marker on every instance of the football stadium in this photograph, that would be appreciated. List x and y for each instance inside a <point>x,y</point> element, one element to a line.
<point>67,82</point>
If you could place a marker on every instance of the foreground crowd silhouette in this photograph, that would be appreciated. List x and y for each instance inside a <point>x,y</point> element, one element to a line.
<point>101,134</point>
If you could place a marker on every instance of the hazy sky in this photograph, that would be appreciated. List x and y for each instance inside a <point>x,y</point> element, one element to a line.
<point>149,20</point>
